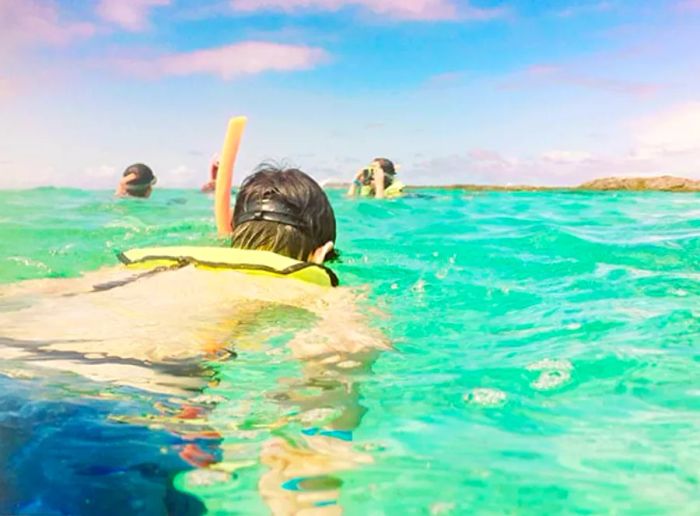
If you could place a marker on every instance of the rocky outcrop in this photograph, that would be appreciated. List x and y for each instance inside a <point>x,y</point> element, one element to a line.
<point>659,183</point>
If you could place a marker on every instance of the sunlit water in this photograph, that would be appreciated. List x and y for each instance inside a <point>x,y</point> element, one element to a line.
<point>547,360</point>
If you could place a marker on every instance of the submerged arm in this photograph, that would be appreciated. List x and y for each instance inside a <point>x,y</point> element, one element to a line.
<point>336,355</point>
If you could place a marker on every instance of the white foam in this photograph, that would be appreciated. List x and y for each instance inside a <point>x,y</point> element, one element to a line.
<point>485,397</point>
<point>554,373</point>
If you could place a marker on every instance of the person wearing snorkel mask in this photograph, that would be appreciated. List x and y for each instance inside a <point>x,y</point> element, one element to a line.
<point>137,181</point>
<point>268,306</point>
<point>378,180</point>
<point>284,226</point>
<point>284,211</point>
<point>210,186</point>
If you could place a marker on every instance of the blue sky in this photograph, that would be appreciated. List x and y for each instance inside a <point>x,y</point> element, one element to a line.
<point>539,92</point>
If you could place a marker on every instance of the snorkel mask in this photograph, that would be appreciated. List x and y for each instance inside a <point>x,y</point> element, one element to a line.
<point>137,188</point>
<point>270,211</point>
<point>368,173</point>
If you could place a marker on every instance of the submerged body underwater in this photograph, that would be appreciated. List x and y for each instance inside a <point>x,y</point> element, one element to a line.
<point>526,352</point>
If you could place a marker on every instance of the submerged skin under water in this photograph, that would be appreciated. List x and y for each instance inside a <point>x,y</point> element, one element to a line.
<point>546,361</point>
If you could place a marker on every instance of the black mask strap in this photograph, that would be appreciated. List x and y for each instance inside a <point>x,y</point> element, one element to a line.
<point>271,211</point>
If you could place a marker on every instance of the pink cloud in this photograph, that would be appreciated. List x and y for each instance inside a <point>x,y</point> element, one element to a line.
<point>397,9</point>
<point>545,74</point>
<point>688,5</point>
<point>30,22</point>
<point>131,15</point>
<point>228,62</point>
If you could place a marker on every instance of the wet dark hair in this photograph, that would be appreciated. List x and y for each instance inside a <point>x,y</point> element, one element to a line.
<point>139,187</point>
<point>387,166</point>
<point>284,211</point>
<point>144,175</point>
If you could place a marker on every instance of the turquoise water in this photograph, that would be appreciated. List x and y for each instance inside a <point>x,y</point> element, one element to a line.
<point>547,361</point>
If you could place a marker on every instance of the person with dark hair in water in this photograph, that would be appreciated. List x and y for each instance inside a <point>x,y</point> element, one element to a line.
<point>286,212</point>
<point>269,293</point>
<point>284,229</point>
<point>210,186</point>
<point>137,181</point>
<point>378,179</point>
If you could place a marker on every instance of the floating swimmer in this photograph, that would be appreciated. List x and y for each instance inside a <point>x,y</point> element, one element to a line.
<point>210,186</point>
<point>378,179</point>
<point>137,181</point>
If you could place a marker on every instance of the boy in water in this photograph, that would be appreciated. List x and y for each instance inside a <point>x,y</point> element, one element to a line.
<point>151,331</point>
<point>284,211</point>
<point>137,181</point>
<point>164,316</point>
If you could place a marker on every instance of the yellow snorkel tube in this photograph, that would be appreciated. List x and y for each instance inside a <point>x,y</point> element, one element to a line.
<point>224,178</point>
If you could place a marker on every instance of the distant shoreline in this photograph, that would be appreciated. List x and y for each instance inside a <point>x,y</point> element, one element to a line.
<point>606,184</point>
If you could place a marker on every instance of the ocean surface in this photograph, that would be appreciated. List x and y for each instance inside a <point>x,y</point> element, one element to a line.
<point>547,360</point>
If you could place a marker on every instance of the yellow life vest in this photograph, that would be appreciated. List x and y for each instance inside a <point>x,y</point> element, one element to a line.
<point>393,190</point>
<point>265,263</point>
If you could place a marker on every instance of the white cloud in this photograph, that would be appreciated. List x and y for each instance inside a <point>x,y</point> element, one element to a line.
<point>32,22</point>
<point>665,142</point>
<point>422,10</point>
<point>675,130</point>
